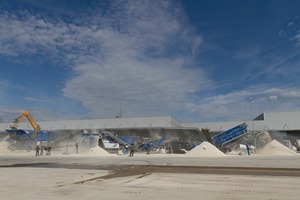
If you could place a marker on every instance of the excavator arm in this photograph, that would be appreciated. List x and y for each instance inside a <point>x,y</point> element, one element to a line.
<point>15,123</point>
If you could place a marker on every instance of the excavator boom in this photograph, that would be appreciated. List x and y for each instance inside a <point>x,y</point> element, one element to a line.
<point>15,123</point>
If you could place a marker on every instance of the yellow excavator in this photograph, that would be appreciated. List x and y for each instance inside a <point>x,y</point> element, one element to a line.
<point>14,125</point>
<point>42,138</point>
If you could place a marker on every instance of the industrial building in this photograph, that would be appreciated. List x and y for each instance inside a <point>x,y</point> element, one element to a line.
<point>285,125</point>
<point>273,121</point>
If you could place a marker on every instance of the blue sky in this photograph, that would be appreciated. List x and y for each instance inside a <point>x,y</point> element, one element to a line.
<point>198,61</point>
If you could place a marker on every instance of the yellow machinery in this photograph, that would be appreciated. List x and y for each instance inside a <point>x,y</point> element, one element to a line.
<point>14,125</point>
<point>42,138</point>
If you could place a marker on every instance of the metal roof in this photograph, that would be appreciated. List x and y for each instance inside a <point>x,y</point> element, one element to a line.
<point>143,122</point>
<point>275,121</point>
<point>265,121</point>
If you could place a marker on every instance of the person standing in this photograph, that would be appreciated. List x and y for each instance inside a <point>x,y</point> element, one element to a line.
<point>248,149</point>
<point>131,149</point>
<point>126,149</point>
<point>49,151</point>
<point>37,150</point>
<point>42,150</point>
<point>76,145</point>
<point>147,149</point>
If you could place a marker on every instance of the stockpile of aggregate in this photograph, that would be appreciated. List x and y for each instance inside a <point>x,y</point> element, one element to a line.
<point>205,149</point>
<point>91,149</point>
<point>275,148</point>
<point>4,147</point>
<point>263,139</point>
<point>95,151</point>
<point>82,150</point>
<point>68,147</point>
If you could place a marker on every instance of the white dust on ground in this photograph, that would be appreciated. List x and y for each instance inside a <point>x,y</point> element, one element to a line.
<point>82,151</point>
<point>266,147</point>
<point>205,149</point>
<point>95,151</point>
<point>6,150</point>
<point>275,148</point>
<point>62,149</point>
<point>85,147</point>
<point>4,147</point>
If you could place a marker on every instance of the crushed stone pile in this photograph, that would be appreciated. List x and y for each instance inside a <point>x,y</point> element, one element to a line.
<point>275,148</point>
<point>205,149</point>
<point>96,151</point>
<point>263,139</point>
<point>4,147</point>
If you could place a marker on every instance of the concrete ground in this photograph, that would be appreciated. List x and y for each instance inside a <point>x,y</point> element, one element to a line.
<point>149,177</point>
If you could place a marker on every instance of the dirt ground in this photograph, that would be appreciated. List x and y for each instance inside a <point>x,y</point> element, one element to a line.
<point>149,177</point>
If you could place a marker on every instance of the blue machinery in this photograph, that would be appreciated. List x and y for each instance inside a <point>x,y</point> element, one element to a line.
<point>44,136</point>
<point>230,135</point>
<point>20,134</point>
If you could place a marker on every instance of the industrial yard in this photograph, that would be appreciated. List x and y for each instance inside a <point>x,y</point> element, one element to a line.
<point>167,162</point>
<point>150,177</point>
<point>149,100</point>
<point>273,172</point>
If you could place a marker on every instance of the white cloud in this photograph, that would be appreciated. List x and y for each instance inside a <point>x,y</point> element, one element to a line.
<point>3,87</point>
<point>37,100</point>
<point>297,39</point>
<point>273,98</point>
<point>282,33</point>
<point>6,86</point>
<point>290,24</point>
<point>237,105</point>
<point>290,93</point>
<point>136,56</point>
